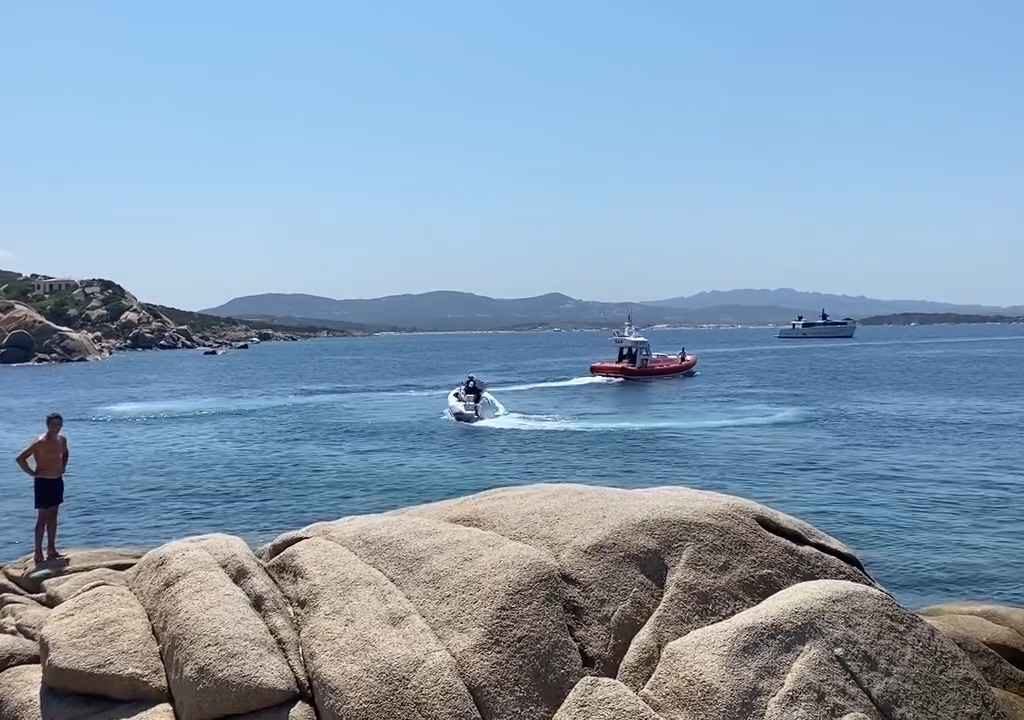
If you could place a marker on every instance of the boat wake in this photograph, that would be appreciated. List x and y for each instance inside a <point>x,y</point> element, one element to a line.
<point>196,407</point>
<point>520,421</point>
<point>572,382</point>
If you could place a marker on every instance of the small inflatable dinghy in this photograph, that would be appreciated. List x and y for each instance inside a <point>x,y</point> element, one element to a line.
<point>466,409</point>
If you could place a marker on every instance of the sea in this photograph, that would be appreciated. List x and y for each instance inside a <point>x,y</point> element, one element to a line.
<point>904,442</point>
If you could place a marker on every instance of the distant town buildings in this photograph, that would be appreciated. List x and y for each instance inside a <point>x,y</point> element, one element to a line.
<point>45,286</point>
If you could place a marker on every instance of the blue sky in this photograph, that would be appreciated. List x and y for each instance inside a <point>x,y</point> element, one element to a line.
<point>198,151</point>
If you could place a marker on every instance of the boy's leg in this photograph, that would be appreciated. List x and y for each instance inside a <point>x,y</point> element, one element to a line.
<point>51,531</point>
<point>40,527</point>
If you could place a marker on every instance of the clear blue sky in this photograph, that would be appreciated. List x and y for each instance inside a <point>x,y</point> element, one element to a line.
<point>198,151</point>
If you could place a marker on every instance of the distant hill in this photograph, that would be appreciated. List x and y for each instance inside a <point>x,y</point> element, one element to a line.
<point>450,310</point>
<point>939,319</point>
<point>811,302</point>
<point>441,310</point>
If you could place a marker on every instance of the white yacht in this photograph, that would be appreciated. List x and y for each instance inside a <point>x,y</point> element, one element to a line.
<point>824,327</point>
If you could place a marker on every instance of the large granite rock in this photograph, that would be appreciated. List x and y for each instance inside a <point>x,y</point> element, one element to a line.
<point>16,347</point>
<point>596,698</point>
<point>24,697</point>
<point>369,652</point>
<point>99,642</point>
<point>61,588</point>
<point>29,576</point>
<point>220,655</point>
<point>48,340</point>
<point>533,603</point>
<point>992,636</point>
<point>640,568</point>
<point>24,617</point>
<point>16,650</point>
<point>822,649</point>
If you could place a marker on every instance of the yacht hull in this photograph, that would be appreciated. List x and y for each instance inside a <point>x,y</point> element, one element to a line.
<point>834,331</point>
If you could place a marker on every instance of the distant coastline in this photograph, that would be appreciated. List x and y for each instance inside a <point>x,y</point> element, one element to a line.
<point>45,319</point>
<point>904,319</point>
<point>456,311</point>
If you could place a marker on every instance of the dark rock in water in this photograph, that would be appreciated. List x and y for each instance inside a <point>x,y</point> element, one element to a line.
<point>15,356</point>
<point>20,340</point>
<point>529,603</point>
<point>212,352</point>
<point>241,346</point>
<point>141,339</point>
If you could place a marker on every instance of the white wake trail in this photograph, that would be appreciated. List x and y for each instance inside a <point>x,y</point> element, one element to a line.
<point>572,382</point>
<point>519,421</point>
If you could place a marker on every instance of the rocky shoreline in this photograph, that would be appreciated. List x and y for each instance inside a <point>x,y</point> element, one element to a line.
<point>547,601</point>
<point>100,317</point>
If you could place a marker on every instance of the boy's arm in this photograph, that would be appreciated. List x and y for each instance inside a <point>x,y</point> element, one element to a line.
<point>23,459</point>
<point>66,456</point>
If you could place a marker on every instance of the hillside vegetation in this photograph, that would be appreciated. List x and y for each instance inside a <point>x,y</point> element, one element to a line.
<point>99,316</point>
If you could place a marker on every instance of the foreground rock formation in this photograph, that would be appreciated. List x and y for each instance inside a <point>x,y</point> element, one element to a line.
<point>99,317</point>
<point>26,336</point>
<point>541,602</point>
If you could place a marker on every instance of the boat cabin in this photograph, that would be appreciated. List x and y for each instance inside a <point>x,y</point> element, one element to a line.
<point>824,321</point>
<point>634,350</point>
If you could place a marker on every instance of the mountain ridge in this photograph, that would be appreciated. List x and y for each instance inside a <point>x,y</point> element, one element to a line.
<point>458,310</point>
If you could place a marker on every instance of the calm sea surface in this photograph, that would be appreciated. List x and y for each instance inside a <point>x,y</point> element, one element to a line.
<point>905,443</point>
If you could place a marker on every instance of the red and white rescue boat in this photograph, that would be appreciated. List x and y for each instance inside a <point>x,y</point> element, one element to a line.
<point>635,359</point>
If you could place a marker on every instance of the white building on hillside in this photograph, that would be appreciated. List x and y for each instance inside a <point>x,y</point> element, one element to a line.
<point>45,286</point>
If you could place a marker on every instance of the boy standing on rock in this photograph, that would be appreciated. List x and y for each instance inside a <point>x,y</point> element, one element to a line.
<point>50,453</point>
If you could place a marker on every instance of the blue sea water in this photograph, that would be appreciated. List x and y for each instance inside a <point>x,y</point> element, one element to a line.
<point>905,443</point>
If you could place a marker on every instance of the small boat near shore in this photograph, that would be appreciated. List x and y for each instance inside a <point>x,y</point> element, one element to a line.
<point>636,361</point>
<point>824,327</point>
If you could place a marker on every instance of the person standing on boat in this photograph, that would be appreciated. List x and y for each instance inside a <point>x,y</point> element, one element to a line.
<point>472,389</point>
<point>50,454</point>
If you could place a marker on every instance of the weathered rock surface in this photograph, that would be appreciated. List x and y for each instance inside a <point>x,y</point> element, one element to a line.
<point>640,568</point>
<point>99,642</point>
<point>16,347</point>
<point>596,698</point>
<point>1005,641</point>
<point>1013,705</point>
<point>16,650</point>
<point>24,697</point>
<point>9,587</point>
<point>999,627</point>
<point>297,710</point>
<point>63,587</point>
<point>25,618</point>
<point>30,577</point>
<point>221,658</point>
<point>991,636</point>
<point>533,603</point>
<point>35,337</point>
<point>369,652</point>
<point>819,649</point>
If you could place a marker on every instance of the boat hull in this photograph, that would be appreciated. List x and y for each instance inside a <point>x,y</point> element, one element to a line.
<point>836,331</point>
<point>656,368</point>
<point>462,411</point>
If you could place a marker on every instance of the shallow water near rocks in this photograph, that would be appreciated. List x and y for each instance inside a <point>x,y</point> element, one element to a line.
<point>905,443</point>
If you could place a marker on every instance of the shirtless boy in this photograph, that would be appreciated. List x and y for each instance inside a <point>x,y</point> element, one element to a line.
<point>50,454</point>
